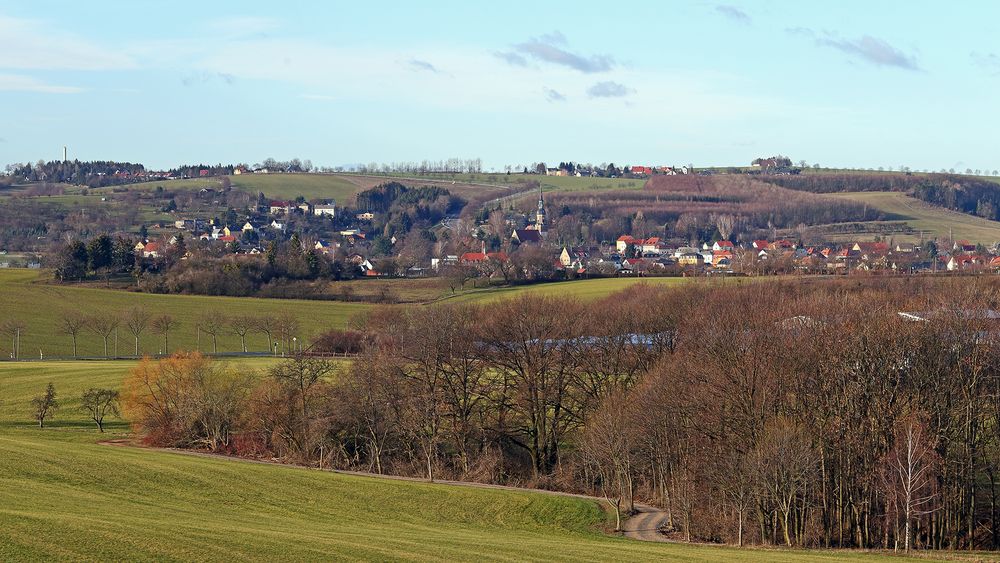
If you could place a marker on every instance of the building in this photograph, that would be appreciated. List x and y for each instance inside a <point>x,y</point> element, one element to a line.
<point>526,236</point>
<point>325,209</point>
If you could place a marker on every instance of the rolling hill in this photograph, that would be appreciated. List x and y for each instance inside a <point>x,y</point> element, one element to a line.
<point>66,495</point>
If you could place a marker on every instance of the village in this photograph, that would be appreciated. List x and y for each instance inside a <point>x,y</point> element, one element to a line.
<point>347,235</point>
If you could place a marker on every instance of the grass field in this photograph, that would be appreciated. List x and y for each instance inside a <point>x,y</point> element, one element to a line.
<point>24,296</point>
<point>65,496</point>
<point>581,289</point>
<point>932,220</point>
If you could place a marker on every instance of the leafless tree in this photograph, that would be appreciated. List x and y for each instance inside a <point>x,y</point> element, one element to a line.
<point>163,324</point>
<point>909,476</point>
<point>72,323</point>
<point>241,325</point>
<point>98,404</point>
<point>212,323</point>
<point>44,404</point>
<point>137,319</point>
<point>104,324</point>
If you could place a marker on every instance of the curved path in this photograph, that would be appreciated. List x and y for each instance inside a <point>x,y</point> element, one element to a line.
<point>644,525</point>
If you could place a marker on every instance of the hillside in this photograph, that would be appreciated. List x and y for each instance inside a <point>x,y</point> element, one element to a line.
<point>64,495</point>
<point>933,221</point>
<point>25,296</point>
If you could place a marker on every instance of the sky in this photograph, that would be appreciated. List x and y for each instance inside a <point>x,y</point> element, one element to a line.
<point>843,84</point>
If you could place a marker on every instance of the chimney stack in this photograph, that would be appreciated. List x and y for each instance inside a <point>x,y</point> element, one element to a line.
<point>64,153</point>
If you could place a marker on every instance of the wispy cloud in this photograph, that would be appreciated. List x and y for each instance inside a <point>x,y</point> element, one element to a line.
<point>35,45</point>
<point>554,95</point>
<point>988,61</point>
<point>423,65</point>
<point>551,48</point>
<point>609,89</point>
<point>208,77</point>
<point>733,13</point>
<point>869,49</point>
<point>21,83</point>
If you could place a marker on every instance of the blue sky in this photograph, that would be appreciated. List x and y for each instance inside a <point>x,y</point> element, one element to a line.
<point>864,84</point>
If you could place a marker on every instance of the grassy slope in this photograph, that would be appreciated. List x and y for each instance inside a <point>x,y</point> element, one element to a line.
<point>933,220</point>
<point>286,186</point>
<point>40,306</point>
<point>64,496</point>
<point>582,289</point>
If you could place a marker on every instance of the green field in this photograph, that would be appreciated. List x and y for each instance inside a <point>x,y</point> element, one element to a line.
<point>65,496</point>
<point>278,186</point>
<point>25,296</point>
<point>934,221</point>
<point>581,289</point>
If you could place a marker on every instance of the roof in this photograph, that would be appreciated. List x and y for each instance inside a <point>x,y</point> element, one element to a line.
<point>725,243</point>
<point>527,235</point>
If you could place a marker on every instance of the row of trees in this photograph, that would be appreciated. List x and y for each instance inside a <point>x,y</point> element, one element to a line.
<point>804,415</point>
<point>282,331</point>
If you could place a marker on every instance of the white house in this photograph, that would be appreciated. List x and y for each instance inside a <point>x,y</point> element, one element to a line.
<point>325,209</point>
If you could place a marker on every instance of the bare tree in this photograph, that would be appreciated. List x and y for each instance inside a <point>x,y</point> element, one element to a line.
<point>14,329</point>
<point>266,325</point>
<point>72,323</point>
<point>104,325</point>
<point>607,446</point>
<point>909,476</point>
<point>163,324</point>
<point>98,403</point>
<point>137,319</point>
<point>44,404</point>
<point>241,325</point>
<point>287,329</point>
<point>212,323</point>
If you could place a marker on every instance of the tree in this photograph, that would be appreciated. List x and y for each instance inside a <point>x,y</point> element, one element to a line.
<point>267,326</point>
<point>98,403</point>
<point>72,261</point>
<point>212,323</point>
<point>72,323</point>
<point>241,325</point>
<point>123,255</point>
<point>45,404</point>
<point>607,446</point>
<point>14,329</point>
<point>104,325</point>
<point>100,252</point>
<point>137,319</point>
<point>909,475</point>
<point>163,324</point>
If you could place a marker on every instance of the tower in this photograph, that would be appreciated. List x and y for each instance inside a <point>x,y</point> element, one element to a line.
<point>64,153</point>
<point>540,214</point>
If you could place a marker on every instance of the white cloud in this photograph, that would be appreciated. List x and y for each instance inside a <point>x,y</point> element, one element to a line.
<point>35,45</point>
<point>21,83</point>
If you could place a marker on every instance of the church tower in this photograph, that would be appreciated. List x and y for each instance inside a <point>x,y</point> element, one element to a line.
<point>540,214</point>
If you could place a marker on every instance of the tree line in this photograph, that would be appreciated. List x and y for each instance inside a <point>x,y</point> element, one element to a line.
<point>765,413</point>
<point>281,331</point>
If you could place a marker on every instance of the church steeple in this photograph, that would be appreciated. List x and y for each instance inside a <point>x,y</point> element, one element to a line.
<point>540,214</point>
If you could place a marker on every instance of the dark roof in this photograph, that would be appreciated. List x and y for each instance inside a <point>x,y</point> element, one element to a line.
<point>528,235</point>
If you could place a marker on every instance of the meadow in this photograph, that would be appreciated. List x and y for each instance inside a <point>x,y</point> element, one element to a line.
<point>27,296</point>
<point>66,495</point>
<point>932,220</point>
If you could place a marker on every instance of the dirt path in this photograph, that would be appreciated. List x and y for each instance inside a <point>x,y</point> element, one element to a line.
<point>643,526</point>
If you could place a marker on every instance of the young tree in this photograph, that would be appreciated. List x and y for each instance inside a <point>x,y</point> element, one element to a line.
<point>266,325</point>
<point>137,319</point>
<point>14,329</point>
<point>98,403</point>
<point>45,404</point>
<point>163,324</point>
<point>72,323</point>
<point>241,325</point>
<point>104,325</point>
<point>212,323</point>
<point>909,476</point>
